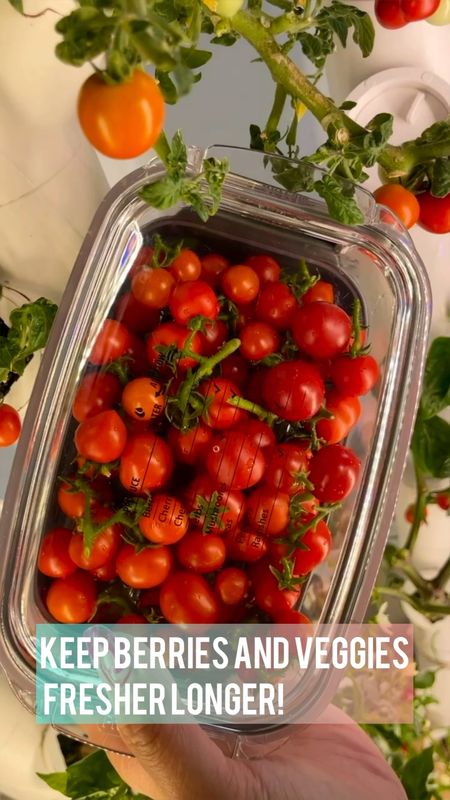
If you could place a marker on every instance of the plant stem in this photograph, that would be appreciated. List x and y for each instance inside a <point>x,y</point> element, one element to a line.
<point>162,147</point>
<point>204,370</point>
<point>290,23</point>
<point>277,110</point>
<point>253,408</point>
<point>423,608</point>
<point>420,583</point>
<point>443,576</point>
<point>419,510</point>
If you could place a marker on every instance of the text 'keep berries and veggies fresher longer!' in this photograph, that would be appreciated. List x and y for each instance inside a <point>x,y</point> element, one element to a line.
<point>208,443</point>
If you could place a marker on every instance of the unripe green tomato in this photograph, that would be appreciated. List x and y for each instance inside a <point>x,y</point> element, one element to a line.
<point>442,15</point>
<point>224,8</point>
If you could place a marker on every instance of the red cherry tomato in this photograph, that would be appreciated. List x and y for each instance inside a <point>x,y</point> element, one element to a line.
<point>153,287</point>
<point>146,463</point>
<point>213,336</point>
<point>201,553</point>
<point>240,284</point>
<point>321,292</point>
<point>401,201</point>
<point>187,598</point>
<point>213,265</point>
<point>268,512</point>
<point>276,305</point>
<point>132,619</point>
<point>97,391</point>
<point>290,616</point>
<point>315,546</point>
<point>286,465</point>
<point>101,438</point>
<point>234,368</point>
<point>104,547</point>
<point>112,342</point>
<point>355,376</point>
<point>10,425</point>
<point>219,414</point>
<point>333,472</point>
<point>186,266</point>
<point>235,460</point>
<point>214,508</point>
<point>410,514</point>
<point>443,501</point>
<point>294,390</point>
<point>71,600</point>
<point>54,558</point>
<point>190,447</point>
<point>191,299</point>
<point>268,596</point>
<point>389,14</point>
<point>137,317</point>
<point>346,411</point>
<point>265,266</point>
<point>261,433</point>
<point>245,545</point>
<point>143,399</point>
<point>321,330</point>
<point>166,335</point>
<point>165,520</point>
<point>72,503</point>
<point>232,585</point>
<point>258,340</point>
<point>415,10</point>
<point>106,573</point>
<point>146,568</point>
<point>434,212</point>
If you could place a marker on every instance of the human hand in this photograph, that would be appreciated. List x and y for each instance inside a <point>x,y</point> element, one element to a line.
<point>332,759</point>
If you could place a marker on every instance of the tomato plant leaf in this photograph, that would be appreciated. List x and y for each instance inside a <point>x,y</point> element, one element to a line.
<point>436,385</point>
<point>28,332</point>
<point>438,132</point>
<point>167,87</point>
<point>440,177</point>
<point>92,778</point>
<point>17,4</point>
<point>414,775</point>
<point>194,58</point>
<point>338,196</point>
<point>431,446</point>
<point>424,680</point>
<point>87,32</point>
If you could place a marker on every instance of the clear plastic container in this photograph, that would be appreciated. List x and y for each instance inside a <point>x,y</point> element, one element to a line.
<point>375,262</point>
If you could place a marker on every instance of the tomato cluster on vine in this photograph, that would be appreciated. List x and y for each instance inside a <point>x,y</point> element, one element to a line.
<point>208,444</point>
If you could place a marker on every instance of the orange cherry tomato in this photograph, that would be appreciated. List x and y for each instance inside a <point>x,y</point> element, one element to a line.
<point>401,201</point>
<point>121,120</point>
<point>143,399</point>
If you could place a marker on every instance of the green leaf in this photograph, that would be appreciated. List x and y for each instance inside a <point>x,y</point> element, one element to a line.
<point>28,332</point>
<point>436,385</point>
<point>294,176</point>
<point>17,4</point>
<point>437,132</point>
<point>431,446</point>
<point>364,33</point>
<point>414,774</point>
<point>167,87</point>
<point>86,32</point>
<point>194,58</point>
<point>92,778</point>
<point>56,781</point>
<point>424,680</point>
<point>440,177</point>
<point>163,193</point>
<point>338,196</point>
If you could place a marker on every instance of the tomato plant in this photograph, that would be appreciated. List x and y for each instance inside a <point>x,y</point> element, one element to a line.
<point>121,120</point>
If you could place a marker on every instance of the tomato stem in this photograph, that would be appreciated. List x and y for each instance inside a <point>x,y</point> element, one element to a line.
<point>253,408</point>
<point>356,327</point>
<point>275,114</point>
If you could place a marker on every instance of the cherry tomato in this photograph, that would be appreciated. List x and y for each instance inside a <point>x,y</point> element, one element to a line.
<point>258,340</point>
<point>143,399</point>
<point>146,463</point>
<point>268,512</point>
<point>213,336</point>
<point>165,521</point>
<point>294,390</point>
<point>104,546</point>
<point>389,14</point>
<point>190,447</point>
<point>346,412</point>
<point>213,265</point>
<point>71,600</point>
<point>234,368</point>
<point>276,305</point>
<point>232,585</point>
<point>261,433</point>
<point>101,438</point>
<point>121,120</point>
<point>246,314</point>
<point>201,553</point>
<point>132,619</point>
<point>355,376</point>
<point>143,259</point>
<point>10,425</point>
<point>315,546</point>
<point>410,513</point>
<point>214,508</point>
<point>187,598</point>
<point>333,472</point>
<point>97,391</point>
<point>415,10</point>
<point>265,266</point>
<point>135,315</point>
<point>245,545</point>
<point>290,616</point>
<point>186,266</point>
<point>54,559</point>
<point>236,460</point>
<point>401,201</point>
<point>443,501</point>
<point>321,330</point>
<point>287,465</point>
<point>72,503</point>
<point>191,299</point>
<point>321,292</point>
<point>171,334</point>
<point>106,573</point>
<point>434,212</point>
<point>146,568</point>
<point>240,284</point>
<point>268,596</point>
<point>219,414</point>
<point>112,342</point>
<point>153,286</point>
